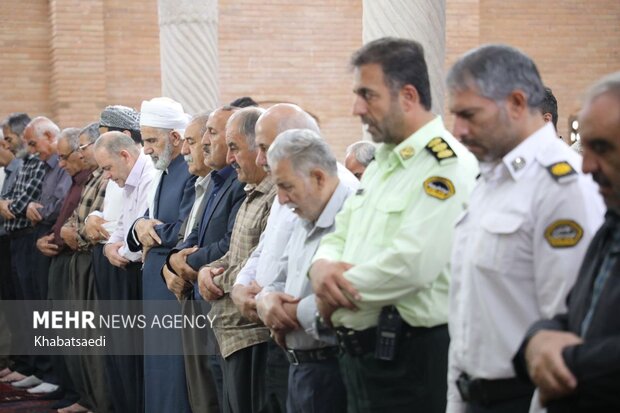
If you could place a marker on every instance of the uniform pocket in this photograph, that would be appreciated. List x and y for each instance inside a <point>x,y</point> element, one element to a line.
<point>388,219</point>
<point>496,240</point>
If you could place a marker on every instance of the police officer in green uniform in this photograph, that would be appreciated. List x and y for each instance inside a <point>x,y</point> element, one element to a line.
<point>382,277</point>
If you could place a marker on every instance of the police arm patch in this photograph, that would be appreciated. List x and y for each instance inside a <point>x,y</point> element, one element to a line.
<point>564,233</point>
<point>438,187</point>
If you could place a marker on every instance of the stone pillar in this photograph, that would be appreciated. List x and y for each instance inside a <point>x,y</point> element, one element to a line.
<point>78,77</point>
<point>420,20</point>
<point>189,58</point>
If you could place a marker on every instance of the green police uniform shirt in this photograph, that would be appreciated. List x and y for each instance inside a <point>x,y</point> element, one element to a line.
<point>397,228</point>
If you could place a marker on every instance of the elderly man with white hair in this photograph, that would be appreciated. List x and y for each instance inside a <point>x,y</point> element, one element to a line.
<point>162,123</point>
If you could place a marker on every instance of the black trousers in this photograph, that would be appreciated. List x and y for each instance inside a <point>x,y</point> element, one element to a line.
<point>415,381</point>
<point>518,405</point>
<point>114,283</point>
<point>58,290</point>
<point>7,289</point>
<point>124,374</point>
<point>244,379</point>
<point>276,377</point>
<point>22,246</point>
<point>316,388</point>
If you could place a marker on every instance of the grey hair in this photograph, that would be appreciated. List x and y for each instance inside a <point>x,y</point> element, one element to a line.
<point>363,151</point>
<point>305,149</point>
<point>72,136</point>
<point>91,131</point>
<point>115,142</point>
<point>16,122</point>
<point>42,125</point>
<point>202,119</point>
<point>496,70</point>
<point>243,122</point>
<point>608,84</point>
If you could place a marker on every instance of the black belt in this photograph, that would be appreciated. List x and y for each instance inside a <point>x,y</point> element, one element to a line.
<point>487,392</point>
<point>357,343</point>
<point>21,232</point>
<point>295,357</point>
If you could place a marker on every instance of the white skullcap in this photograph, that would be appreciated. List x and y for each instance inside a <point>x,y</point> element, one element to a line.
<point>163,113</point>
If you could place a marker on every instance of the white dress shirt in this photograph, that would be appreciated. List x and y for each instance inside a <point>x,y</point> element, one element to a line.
<point>112,208</point>
<point>200,187</point>
<point>516,252</point>
<point>134,202</point>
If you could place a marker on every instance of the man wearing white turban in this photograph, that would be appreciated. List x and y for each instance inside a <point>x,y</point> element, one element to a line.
<point>162,122</point>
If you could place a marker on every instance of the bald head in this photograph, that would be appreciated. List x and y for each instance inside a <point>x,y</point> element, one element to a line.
<point>40,136</point>
<point>116,154</point>
<point>277,119</point>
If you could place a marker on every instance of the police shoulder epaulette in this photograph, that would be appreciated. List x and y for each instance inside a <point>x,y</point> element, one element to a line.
<point>562,171</point>
<point>439,148</point>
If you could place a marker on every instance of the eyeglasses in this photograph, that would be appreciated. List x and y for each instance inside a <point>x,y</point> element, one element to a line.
<point>65,157</point>
<point>82,147</point>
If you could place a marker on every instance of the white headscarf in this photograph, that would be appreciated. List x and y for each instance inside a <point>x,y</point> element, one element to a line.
<point>163,113</point>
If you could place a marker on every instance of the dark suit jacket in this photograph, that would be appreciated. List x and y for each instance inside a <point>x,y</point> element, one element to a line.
<point>596,362</point>
<point>174,198</point>
<point>213,234</point>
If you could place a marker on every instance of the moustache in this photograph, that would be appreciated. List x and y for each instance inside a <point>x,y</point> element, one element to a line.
<point>601,179</point>
<point>206,149</point>
<point>235,165</point>
<point>188,158</point>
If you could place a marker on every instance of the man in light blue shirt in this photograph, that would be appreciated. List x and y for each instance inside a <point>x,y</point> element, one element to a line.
<point>305,171</point>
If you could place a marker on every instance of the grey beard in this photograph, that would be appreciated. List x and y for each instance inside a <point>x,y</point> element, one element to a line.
<point>165,158</point>
<point>21,153</point>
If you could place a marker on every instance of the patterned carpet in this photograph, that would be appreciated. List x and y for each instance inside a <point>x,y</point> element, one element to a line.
<point>20,401</point>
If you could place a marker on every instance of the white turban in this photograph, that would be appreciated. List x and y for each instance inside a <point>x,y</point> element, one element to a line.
<point>163,113</point>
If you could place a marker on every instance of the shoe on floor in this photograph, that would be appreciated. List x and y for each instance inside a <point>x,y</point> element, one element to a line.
<point>5,372</point>
<point>43,388</point>
<point>12,377</point>
<point>74,408</point>
<point>28,382</point>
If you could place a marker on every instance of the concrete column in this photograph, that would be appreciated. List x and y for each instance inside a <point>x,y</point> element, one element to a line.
<point>420,20</point>
<point>189,58</point>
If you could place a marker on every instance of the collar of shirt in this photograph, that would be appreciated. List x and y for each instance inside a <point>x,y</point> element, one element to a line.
<point>135,174</point>
<point>253,190</point>
<point>13,165</point>
<point>523,156</point>
<point>328,215</point>
<point>390,156</point>
<point>220,176</point>
<point>52,161</point>
<point>201,185</point>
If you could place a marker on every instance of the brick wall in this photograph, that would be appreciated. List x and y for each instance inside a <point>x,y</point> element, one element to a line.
<point>68,58</point>
<point>25,63</point>
<point>294,52</point>
<point>572,42</point>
